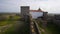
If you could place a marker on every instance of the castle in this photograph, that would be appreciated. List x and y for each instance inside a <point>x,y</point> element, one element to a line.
<point>25,10</point>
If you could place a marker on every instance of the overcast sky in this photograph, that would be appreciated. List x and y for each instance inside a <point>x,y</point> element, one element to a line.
<point>51,6</point>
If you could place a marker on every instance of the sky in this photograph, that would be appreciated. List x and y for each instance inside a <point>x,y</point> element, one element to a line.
<point>51,6</point>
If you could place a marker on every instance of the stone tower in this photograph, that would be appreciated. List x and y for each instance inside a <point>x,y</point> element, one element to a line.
<point>24,11</point>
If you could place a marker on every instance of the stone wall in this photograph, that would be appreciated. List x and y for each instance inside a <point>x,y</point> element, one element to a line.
<point>56,20</point>
<point>45,15</point>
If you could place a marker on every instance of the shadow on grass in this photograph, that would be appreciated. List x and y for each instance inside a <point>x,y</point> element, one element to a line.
<point>53,28</point>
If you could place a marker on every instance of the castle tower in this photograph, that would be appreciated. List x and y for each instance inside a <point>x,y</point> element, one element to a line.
<point>24,11</point>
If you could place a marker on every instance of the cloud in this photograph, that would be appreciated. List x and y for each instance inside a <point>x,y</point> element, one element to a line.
<point>9,6</point>
<point>52,6</point>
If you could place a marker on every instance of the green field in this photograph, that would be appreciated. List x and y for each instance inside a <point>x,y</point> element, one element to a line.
<point>13,25</point>
<point>7,25</point>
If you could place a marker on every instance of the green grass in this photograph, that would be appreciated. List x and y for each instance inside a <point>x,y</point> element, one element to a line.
<point>7,22</point>
<point>2,23</point>
<point>24,29</point>
<point>10,30</point>
<point>50,29</point>
<point>53,28</point>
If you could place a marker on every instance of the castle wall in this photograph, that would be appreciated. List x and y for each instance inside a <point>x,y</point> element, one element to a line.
<point>45,15</point>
